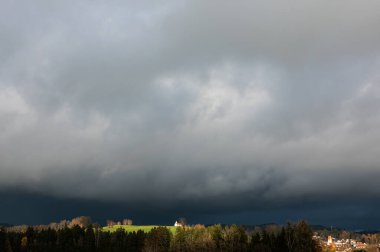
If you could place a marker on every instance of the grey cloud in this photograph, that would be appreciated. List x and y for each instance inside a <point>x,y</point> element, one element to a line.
<point>193,100</point>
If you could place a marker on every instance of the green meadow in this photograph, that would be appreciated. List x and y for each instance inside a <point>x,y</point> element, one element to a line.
<point>133,228</point>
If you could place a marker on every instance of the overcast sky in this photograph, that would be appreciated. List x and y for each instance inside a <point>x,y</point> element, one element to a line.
<point>200,107</point>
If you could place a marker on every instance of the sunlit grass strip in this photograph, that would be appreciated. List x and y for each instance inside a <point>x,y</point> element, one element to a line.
<point>133,228</point>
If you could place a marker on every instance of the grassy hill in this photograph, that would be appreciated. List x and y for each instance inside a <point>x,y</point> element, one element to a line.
<point>133,228</point>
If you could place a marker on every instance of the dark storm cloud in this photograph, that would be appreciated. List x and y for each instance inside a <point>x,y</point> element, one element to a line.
<point>243,104</point>
<point>29,208</point>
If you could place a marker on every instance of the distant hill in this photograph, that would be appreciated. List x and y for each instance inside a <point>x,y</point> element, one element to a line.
<point>375,231</point>
<point>5,225</point>
<point>316,228</point>
<point>321,227</point>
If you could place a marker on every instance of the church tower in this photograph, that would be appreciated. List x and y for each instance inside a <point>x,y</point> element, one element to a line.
<point>329,240</point>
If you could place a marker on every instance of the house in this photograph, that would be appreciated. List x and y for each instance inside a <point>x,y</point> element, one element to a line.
<point>360,245</point>
<point>180,222</point>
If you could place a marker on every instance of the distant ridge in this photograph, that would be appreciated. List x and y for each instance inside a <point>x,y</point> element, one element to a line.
<point>5,225</point>
<point>314,227</point>
<point>371,231</point>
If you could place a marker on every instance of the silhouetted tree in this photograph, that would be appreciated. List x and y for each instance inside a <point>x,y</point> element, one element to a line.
<point>235,239</point>
<point>216,232</point>
<point>89,239</point>
<point>65,240</point>
<point>119,242</point>
<point>158,240</point>
<point>291,238</point>
<point>4,241</point>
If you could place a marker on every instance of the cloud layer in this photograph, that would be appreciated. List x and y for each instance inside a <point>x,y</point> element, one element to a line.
<point>238,104</point>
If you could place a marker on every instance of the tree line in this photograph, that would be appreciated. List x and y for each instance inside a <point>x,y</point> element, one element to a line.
<point>296,237</point>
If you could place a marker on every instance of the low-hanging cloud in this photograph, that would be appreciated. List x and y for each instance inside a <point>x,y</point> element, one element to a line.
<point>250,101</point>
